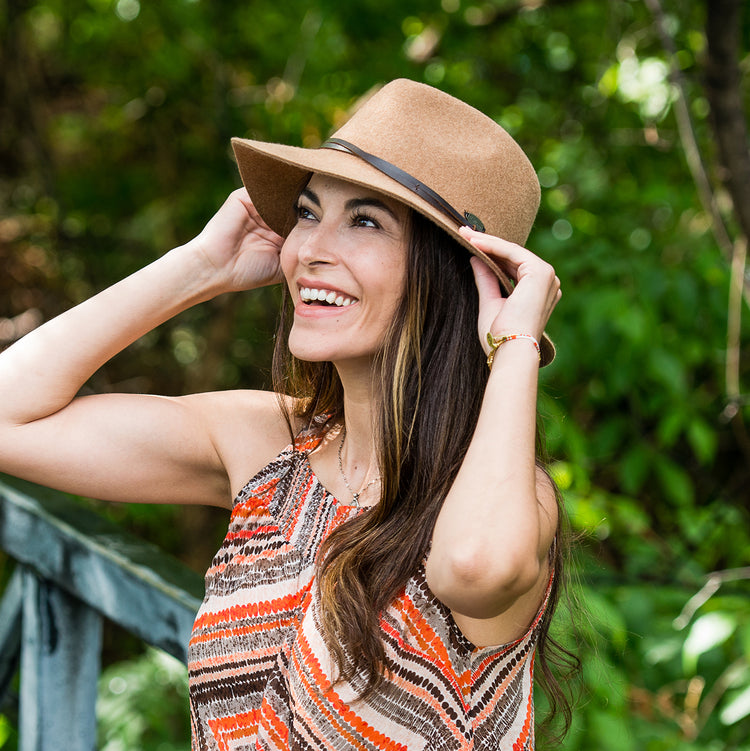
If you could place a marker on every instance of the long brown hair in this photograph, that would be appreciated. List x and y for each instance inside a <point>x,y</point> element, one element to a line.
<point>432,375</point>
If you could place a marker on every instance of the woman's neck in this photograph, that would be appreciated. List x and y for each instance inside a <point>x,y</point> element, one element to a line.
<point>358,451</point>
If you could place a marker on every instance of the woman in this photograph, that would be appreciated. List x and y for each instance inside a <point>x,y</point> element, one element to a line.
<point>396,527</point>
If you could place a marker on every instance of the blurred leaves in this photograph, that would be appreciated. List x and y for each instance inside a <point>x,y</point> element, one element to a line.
<point>143,704</point>
<point>709,631</point>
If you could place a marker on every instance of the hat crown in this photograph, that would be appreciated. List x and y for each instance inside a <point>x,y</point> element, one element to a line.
<point>454,149</point>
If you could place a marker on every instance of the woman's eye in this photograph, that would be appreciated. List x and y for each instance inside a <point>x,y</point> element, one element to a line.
<point>304,213</point>
<point>362,220</point>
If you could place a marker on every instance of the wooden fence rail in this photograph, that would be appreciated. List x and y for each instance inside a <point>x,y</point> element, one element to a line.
<point>74,568</point>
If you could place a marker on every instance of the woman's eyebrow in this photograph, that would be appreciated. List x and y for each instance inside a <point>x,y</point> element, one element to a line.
<point>310,195</point>
<point>358,203</point>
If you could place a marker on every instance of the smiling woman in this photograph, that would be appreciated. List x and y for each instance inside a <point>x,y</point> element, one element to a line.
<point>393,562</point>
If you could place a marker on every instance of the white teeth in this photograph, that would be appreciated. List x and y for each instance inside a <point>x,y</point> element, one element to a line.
<point>310,294</point>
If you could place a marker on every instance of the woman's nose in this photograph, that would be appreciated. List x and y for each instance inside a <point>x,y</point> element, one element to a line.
<point>319,246</point>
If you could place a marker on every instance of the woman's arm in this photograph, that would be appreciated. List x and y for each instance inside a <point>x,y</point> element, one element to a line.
<point>492,537</point>
<point>132,447</point>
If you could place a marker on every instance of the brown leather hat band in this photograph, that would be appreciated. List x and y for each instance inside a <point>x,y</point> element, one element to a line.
<point>408,181</point>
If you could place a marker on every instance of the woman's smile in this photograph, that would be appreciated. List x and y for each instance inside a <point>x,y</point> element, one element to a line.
<point>321,296</point>
<point>310,305</point>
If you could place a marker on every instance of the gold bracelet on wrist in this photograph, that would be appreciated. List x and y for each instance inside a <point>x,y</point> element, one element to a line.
<point>495,343</point>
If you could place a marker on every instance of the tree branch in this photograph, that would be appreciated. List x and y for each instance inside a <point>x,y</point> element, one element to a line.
<point>732,369</point>
<point>724,91</point>
<point>713,582</point>
<point>690,145</point>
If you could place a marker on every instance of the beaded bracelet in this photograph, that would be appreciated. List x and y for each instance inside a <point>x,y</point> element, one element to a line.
<point>495,343</point>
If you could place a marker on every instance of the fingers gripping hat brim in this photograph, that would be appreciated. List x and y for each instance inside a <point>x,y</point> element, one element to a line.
<point>392,124</point>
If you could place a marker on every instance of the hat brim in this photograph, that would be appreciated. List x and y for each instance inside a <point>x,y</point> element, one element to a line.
<point>274,174</point>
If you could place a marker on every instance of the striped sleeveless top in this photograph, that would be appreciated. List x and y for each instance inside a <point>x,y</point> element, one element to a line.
<point>259,670</point>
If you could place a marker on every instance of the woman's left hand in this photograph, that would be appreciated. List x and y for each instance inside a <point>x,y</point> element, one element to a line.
<point>530,304</point>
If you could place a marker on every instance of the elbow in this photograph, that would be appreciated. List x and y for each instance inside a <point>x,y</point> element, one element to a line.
<point>479,585</point>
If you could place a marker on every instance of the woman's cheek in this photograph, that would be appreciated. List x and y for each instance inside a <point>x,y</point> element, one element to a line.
<point>286,259</point>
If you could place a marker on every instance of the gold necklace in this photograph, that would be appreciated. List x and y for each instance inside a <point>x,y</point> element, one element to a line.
<point>355,495</point>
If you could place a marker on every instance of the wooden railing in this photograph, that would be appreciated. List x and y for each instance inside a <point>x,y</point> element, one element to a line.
<point>74,568</point>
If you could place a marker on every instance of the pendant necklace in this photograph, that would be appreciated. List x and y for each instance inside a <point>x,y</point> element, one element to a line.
<point>355,495</point>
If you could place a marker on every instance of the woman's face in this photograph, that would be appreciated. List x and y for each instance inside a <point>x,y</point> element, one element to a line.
<point>345,263</point>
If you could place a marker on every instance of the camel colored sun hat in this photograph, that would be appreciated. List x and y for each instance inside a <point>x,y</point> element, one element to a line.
<point>421,146</point>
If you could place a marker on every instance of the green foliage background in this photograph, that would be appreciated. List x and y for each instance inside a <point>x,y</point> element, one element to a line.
<point>114,145</point>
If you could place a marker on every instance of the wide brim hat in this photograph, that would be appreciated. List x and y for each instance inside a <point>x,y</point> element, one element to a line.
<point>421,146</point>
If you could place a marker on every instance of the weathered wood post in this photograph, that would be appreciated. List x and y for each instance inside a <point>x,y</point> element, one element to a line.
<point>60,661</point>
<point>73,569</point>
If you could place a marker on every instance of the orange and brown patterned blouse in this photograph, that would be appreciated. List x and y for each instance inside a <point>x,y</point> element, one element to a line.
<point>259,669</point>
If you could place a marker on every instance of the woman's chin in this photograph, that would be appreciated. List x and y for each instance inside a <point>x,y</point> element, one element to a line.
<point>307,351</point>
<point>308,356</point>
<point>339,356</point>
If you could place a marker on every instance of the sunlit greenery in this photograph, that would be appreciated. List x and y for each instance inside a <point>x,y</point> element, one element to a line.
<point>143,705</point>
<point>115,144</point>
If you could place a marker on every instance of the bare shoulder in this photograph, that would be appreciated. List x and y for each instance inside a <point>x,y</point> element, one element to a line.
<point>247,427</point>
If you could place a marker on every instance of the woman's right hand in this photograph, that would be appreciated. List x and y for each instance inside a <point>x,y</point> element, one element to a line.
<point>241,249</point>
